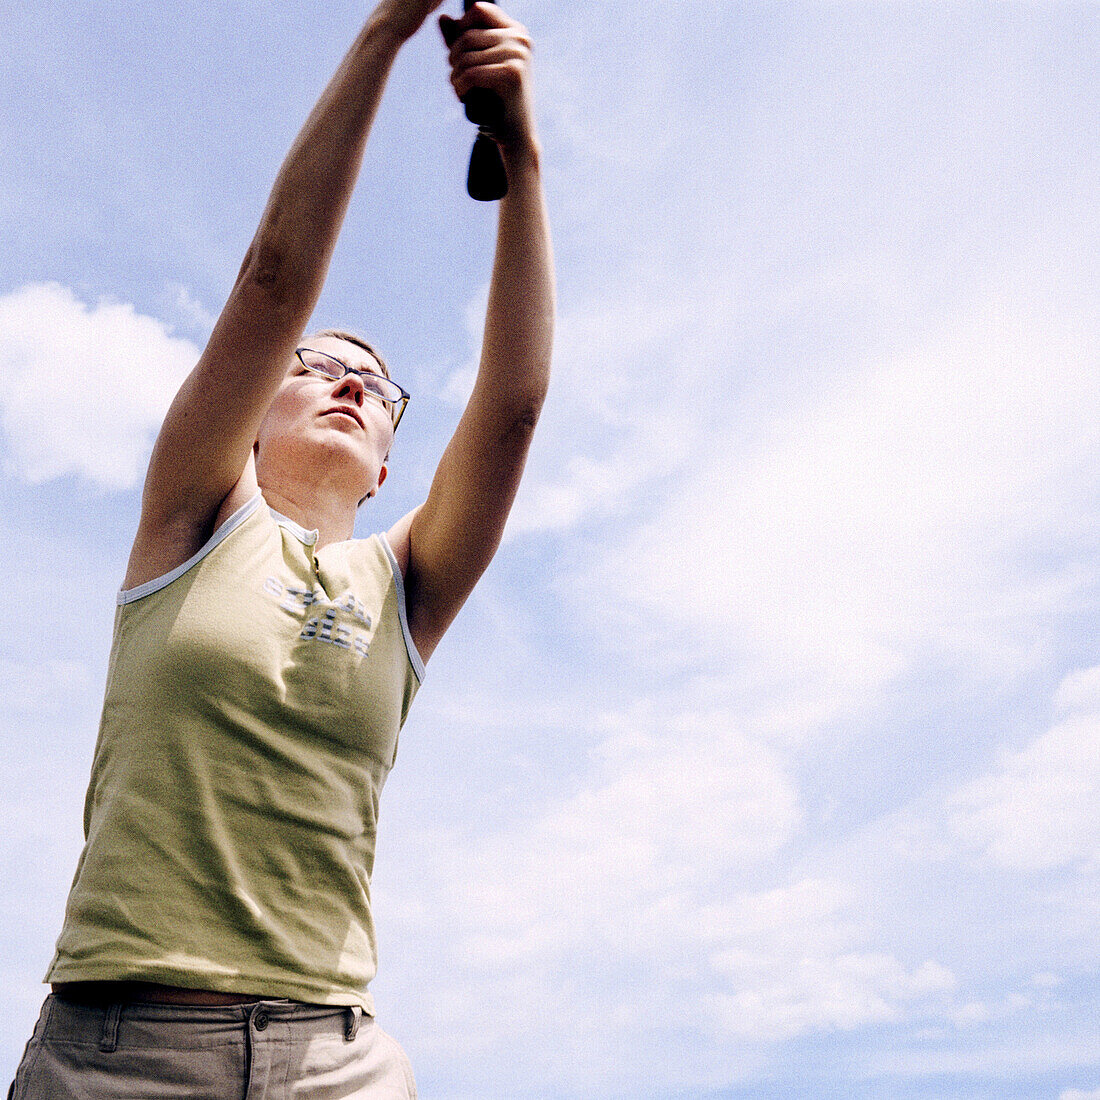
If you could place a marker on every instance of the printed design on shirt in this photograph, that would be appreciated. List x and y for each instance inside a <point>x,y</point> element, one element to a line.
<point>344,624</point>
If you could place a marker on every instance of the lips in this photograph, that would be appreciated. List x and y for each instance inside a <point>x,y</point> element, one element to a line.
<point>345,410</point>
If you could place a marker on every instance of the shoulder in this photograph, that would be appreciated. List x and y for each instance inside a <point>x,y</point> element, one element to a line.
<point>400,541</point>
<point>164,542</point>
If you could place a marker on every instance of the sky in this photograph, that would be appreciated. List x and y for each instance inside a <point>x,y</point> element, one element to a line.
<point>765,760</point>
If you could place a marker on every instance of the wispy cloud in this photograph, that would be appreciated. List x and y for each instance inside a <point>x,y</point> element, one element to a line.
<point>907,503</point>
<point>791,968</point>
<point>925,506</point>
<point>192,314</point>
<point>649,877</point>
<point>83,388</point>
<point>1037,809</point>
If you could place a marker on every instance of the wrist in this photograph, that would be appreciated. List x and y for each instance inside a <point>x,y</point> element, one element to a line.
<point>391,21</point>
<point>521,154</point>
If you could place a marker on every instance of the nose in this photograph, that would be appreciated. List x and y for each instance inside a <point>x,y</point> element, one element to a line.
<point>351,385</point>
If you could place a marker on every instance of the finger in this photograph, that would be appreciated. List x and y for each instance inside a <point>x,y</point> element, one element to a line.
<point>504,78</point>
<point>450,28</point>
<point>497,55</point>
<point>472,51</point>
<point>477,39</point>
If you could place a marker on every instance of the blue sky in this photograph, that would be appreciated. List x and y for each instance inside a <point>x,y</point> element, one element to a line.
<point>765,762</point>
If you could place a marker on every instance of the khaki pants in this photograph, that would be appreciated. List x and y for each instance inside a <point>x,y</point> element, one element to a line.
<point>270,1050</point>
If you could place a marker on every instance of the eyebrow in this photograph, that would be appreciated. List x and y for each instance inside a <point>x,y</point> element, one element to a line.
<point>375,368</point>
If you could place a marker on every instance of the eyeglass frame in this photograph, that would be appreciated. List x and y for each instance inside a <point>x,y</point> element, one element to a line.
<point>397,406</point>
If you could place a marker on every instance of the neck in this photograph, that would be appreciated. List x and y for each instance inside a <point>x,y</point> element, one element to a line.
<point>331,514</point>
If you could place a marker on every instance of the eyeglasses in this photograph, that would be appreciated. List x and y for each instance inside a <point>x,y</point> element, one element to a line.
<point>375,385</point>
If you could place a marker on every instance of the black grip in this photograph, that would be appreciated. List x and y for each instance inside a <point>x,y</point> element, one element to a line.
<point>484,108</point>
<point>487,180</point>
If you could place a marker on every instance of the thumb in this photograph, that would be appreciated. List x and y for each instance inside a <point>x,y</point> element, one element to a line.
<point>450,29</point>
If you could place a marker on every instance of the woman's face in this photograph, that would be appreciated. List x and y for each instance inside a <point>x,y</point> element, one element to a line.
<point>318,428</point>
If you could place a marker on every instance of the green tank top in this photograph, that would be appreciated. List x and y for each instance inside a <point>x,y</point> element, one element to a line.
<point>254,698</point>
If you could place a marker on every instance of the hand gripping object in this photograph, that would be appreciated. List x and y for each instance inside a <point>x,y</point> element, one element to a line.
<point>486,179</point>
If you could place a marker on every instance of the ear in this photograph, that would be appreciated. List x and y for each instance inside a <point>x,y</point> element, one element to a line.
<point>382,471</point>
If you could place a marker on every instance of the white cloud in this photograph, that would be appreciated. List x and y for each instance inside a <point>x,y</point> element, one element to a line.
<point>1079,691</point>
<point>83,389</point>
<point>782,998</point>
<point>583,487</point>
<point>1079,1094</point>
<point>640,896</point>
<point>191,312</point>
<point>459,384</point>
<point>664,812</point>
<point>982,1013</point>
<point>1037,810</point>
<point>680,803</point>
<point>790,967</point>
<point>616,421</point>
<point>873,515</point>
<point>888,510</point>
<point>1046,980</point>
<point>674,809</point>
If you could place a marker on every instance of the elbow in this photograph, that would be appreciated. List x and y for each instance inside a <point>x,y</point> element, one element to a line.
<point>269,272</point>
<point>524,419</point>
<point>528,401</point>
<point>530,412</point>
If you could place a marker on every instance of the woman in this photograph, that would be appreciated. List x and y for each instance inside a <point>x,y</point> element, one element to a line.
<point>218,939</point>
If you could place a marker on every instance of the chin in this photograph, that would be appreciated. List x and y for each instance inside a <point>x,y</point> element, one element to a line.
<point>335,459</point>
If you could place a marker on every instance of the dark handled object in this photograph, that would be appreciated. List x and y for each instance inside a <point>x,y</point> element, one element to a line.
<point>487,180</point>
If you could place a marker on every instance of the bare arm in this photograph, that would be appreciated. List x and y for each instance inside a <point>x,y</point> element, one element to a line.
<point>446,544</point>
<point>204,448</point>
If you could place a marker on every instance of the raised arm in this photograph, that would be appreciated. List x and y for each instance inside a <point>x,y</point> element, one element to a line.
<point>203,452</point>
<point>446,544</point>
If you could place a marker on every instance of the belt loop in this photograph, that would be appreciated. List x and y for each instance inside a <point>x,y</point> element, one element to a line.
<point>353,1014</point>
<point>108,1041</point>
